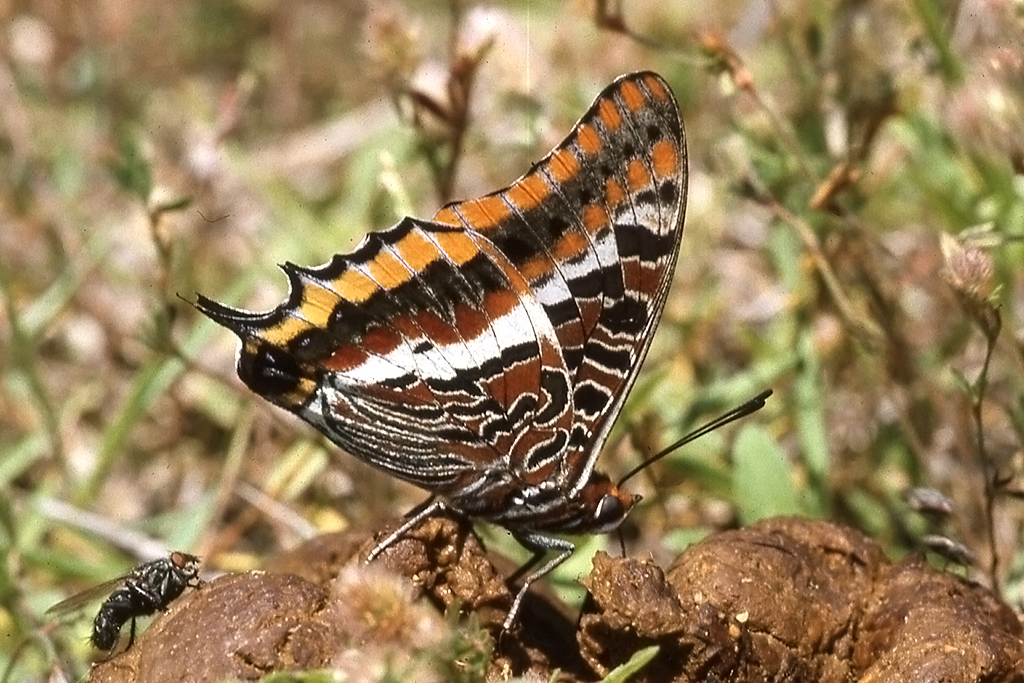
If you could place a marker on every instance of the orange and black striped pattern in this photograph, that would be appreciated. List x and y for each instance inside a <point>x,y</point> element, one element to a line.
<point>484,354</point>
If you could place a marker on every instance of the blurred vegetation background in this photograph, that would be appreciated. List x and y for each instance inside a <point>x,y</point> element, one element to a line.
<point>854,240</point>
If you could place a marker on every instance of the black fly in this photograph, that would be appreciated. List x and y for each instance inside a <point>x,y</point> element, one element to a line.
<point>149,587</point>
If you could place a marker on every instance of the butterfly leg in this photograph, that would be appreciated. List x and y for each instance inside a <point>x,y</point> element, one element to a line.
<point>540,545</point>
<point>432,507</point>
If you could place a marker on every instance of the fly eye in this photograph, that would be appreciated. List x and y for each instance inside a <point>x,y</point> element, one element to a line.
<point>609,513</point>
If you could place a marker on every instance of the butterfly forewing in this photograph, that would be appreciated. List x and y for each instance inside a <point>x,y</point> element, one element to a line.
<point>595,229</point>
<point>433,367</point>
<point>488,351</point>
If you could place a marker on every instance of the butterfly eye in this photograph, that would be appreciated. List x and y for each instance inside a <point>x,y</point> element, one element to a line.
<point>609,513</point>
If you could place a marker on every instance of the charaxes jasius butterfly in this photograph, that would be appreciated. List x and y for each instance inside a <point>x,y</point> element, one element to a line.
<point>484,355</point>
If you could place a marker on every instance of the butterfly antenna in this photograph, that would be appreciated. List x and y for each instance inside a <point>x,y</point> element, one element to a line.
<point>752,406</point>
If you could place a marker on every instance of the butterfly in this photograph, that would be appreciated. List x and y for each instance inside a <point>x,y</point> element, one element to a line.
<point>484,355</point>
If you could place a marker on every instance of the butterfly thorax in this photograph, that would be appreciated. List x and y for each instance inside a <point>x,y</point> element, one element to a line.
<point>600,506</point>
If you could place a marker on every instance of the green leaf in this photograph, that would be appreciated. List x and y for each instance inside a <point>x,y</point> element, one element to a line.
<point>762,484</point>
<point>810,423</point>
<point>130,169</point>
<point>638,661</point>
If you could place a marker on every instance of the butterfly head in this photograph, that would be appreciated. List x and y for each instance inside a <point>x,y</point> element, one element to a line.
<point>602,507</point>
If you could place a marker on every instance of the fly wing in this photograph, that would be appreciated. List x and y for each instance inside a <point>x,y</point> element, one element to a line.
<point>83,598</point>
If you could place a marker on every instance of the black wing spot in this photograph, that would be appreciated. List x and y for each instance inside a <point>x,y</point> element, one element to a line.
<point>517,249</point>
<point>589,400</point>
<point>270,371</point>
<point>646,197</point>
<point>313,344</point>
<point>557,226</point>
<point>616,360</point>
<point>667,192</point>
<point>627,316</point>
